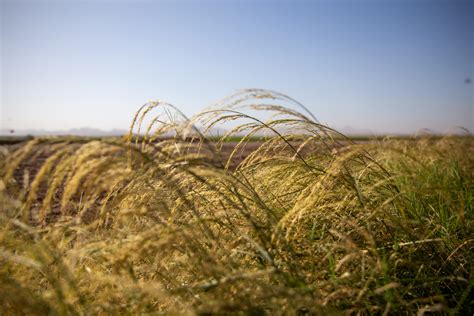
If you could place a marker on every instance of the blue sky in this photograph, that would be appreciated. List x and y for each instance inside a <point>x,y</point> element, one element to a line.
<point>387,66</point>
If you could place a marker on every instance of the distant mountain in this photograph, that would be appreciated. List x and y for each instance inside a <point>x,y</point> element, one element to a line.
<point>83,131</point>
<point>91,132</point>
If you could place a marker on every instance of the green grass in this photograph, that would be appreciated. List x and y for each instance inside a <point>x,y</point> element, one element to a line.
<point>304,225</point>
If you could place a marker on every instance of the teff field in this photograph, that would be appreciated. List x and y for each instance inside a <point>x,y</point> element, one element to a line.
<point>280,215</point>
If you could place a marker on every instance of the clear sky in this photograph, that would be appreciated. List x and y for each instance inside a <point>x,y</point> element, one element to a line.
<point>387,66</point>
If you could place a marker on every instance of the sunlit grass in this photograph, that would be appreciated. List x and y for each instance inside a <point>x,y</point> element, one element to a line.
<point>310,222</point>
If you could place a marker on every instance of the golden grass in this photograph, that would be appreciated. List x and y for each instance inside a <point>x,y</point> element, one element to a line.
<point>309,223</point>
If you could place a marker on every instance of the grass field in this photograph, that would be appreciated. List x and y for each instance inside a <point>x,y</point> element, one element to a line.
<point>280,216</point>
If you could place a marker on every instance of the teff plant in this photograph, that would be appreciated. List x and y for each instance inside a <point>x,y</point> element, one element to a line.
<point>309,222</point>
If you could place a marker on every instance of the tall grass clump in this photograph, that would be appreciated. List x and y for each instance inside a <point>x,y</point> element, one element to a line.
<point>307,222</point>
